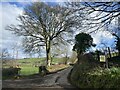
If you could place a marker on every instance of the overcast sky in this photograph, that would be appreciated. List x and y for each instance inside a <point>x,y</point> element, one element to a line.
<point>10,11</point>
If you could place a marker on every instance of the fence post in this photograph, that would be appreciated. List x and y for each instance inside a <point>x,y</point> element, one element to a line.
<point>106,60</point>
<point>109,52</point>
<point>42,70</point>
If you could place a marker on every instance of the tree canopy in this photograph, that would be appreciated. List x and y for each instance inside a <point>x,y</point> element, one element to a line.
<point>83,42</point>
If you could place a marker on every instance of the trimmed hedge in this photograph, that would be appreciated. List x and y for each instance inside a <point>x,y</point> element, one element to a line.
<point>87,74</point>
<point>10,71</point>
<point>97,78</point>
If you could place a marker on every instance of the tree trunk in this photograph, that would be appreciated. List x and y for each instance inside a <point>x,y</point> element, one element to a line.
<point>48,54</point>
<point>48,58</point>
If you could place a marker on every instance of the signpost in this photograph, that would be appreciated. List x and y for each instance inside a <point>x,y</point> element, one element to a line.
<point>103,58</point>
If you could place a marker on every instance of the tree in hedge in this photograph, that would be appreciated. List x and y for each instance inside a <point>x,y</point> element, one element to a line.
<point>44,26</point>
<point>85,62</point>
<point>83,42</point>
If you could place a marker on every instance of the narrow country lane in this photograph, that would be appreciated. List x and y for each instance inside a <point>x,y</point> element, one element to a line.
<point>55,80</point>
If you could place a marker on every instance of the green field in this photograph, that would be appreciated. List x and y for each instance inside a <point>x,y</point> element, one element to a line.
<point>40,61</point>
<point>30,66</point>
<point>25,70</point>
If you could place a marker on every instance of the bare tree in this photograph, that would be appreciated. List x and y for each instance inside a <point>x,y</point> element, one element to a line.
<point>61,51</point>
<point>106,12</point>
<point>73,57</point>
<point>43,25</point>
<point>97,14</point>
<point>15,48</point>
<point>4,54</point>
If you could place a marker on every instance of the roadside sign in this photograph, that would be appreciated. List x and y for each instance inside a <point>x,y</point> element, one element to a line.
<point>102,58</point>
